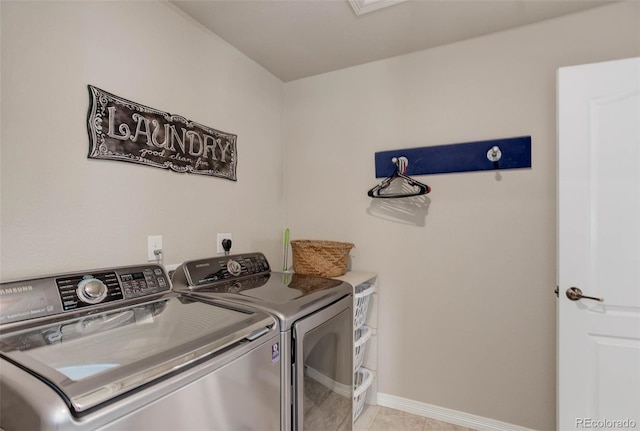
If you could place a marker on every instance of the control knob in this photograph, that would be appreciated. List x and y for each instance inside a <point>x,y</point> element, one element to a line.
<point>234,267</point>
<point>91,290</point>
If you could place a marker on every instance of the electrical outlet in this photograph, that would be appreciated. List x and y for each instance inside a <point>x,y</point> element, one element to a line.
<point>154,243</point>
<point>219,239</point>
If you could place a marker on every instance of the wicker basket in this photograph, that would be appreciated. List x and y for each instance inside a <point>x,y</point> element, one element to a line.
<point>322,258</point>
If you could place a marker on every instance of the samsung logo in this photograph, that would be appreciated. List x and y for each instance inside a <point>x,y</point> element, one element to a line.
<point>202,265</point>
<point>19,289</point>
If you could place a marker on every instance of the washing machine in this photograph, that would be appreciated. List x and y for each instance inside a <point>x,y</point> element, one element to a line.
<point>116,349</point>
<point>315,318</point>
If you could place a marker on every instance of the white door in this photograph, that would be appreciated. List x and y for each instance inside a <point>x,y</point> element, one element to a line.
<point>599,246</point>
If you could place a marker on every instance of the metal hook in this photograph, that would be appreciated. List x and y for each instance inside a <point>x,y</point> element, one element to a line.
<point>401,164</point>
<point>494,154</point>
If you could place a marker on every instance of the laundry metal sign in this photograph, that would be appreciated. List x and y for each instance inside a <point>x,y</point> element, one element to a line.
<point>120,129</point>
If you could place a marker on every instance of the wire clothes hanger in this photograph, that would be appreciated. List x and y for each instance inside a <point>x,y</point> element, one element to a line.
<point>409,188</point>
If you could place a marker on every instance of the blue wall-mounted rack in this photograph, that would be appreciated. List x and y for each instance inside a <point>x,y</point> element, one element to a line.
<point>512,153</point>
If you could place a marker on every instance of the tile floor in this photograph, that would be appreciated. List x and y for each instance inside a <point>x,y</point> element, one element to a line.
<point>325,409</point>
<point>376,418</point>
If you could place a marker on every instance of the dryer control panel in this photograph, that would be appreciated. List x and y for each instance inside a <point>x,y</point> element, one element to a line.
<point>216,269</point>
<point>46,296</point>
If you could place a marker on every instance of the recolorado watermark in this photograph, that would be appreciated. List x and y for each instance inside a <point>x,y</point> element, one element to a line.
<point>607,424</point>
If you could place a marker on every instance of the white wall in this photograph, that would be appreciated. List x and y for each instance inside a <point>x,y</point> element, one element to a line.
<point>466,306</point>
<point>62,211</point>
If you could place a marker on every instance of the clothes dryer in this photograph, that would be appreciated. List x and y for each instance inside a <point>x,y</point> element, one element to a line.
<point>315,318</point>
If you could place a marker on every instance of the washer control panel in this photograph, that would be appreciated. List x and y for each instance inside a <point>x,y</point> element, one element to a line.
<point>216,269</point>
<point>104,288</point>
<point>82,290</point>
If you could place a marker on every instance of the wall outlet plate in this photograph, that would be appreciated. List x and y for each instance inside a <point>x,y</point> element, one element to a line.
<point>219,239</point>
<point>154,243</point>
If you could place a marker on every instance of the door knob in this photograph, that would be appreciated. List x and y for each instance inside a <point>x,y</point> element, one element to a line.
<point>573,293</point>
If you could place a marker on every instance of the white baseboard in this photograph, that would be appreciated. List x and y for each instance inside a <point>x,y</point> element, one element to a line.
<point>455,417</point>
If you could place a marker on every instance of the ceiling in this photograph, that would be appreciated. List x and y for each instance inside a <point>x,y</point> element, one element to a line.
<point>294,39</point>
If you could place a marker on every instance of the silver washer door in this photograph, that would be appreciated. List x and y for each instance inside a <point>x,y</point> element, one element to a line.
<point>93,359</point>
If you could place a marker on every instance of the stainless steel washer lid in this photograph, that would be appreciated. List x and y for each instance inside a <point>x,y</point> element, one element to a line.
<point>95,358</point>
<point>287,296</point>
